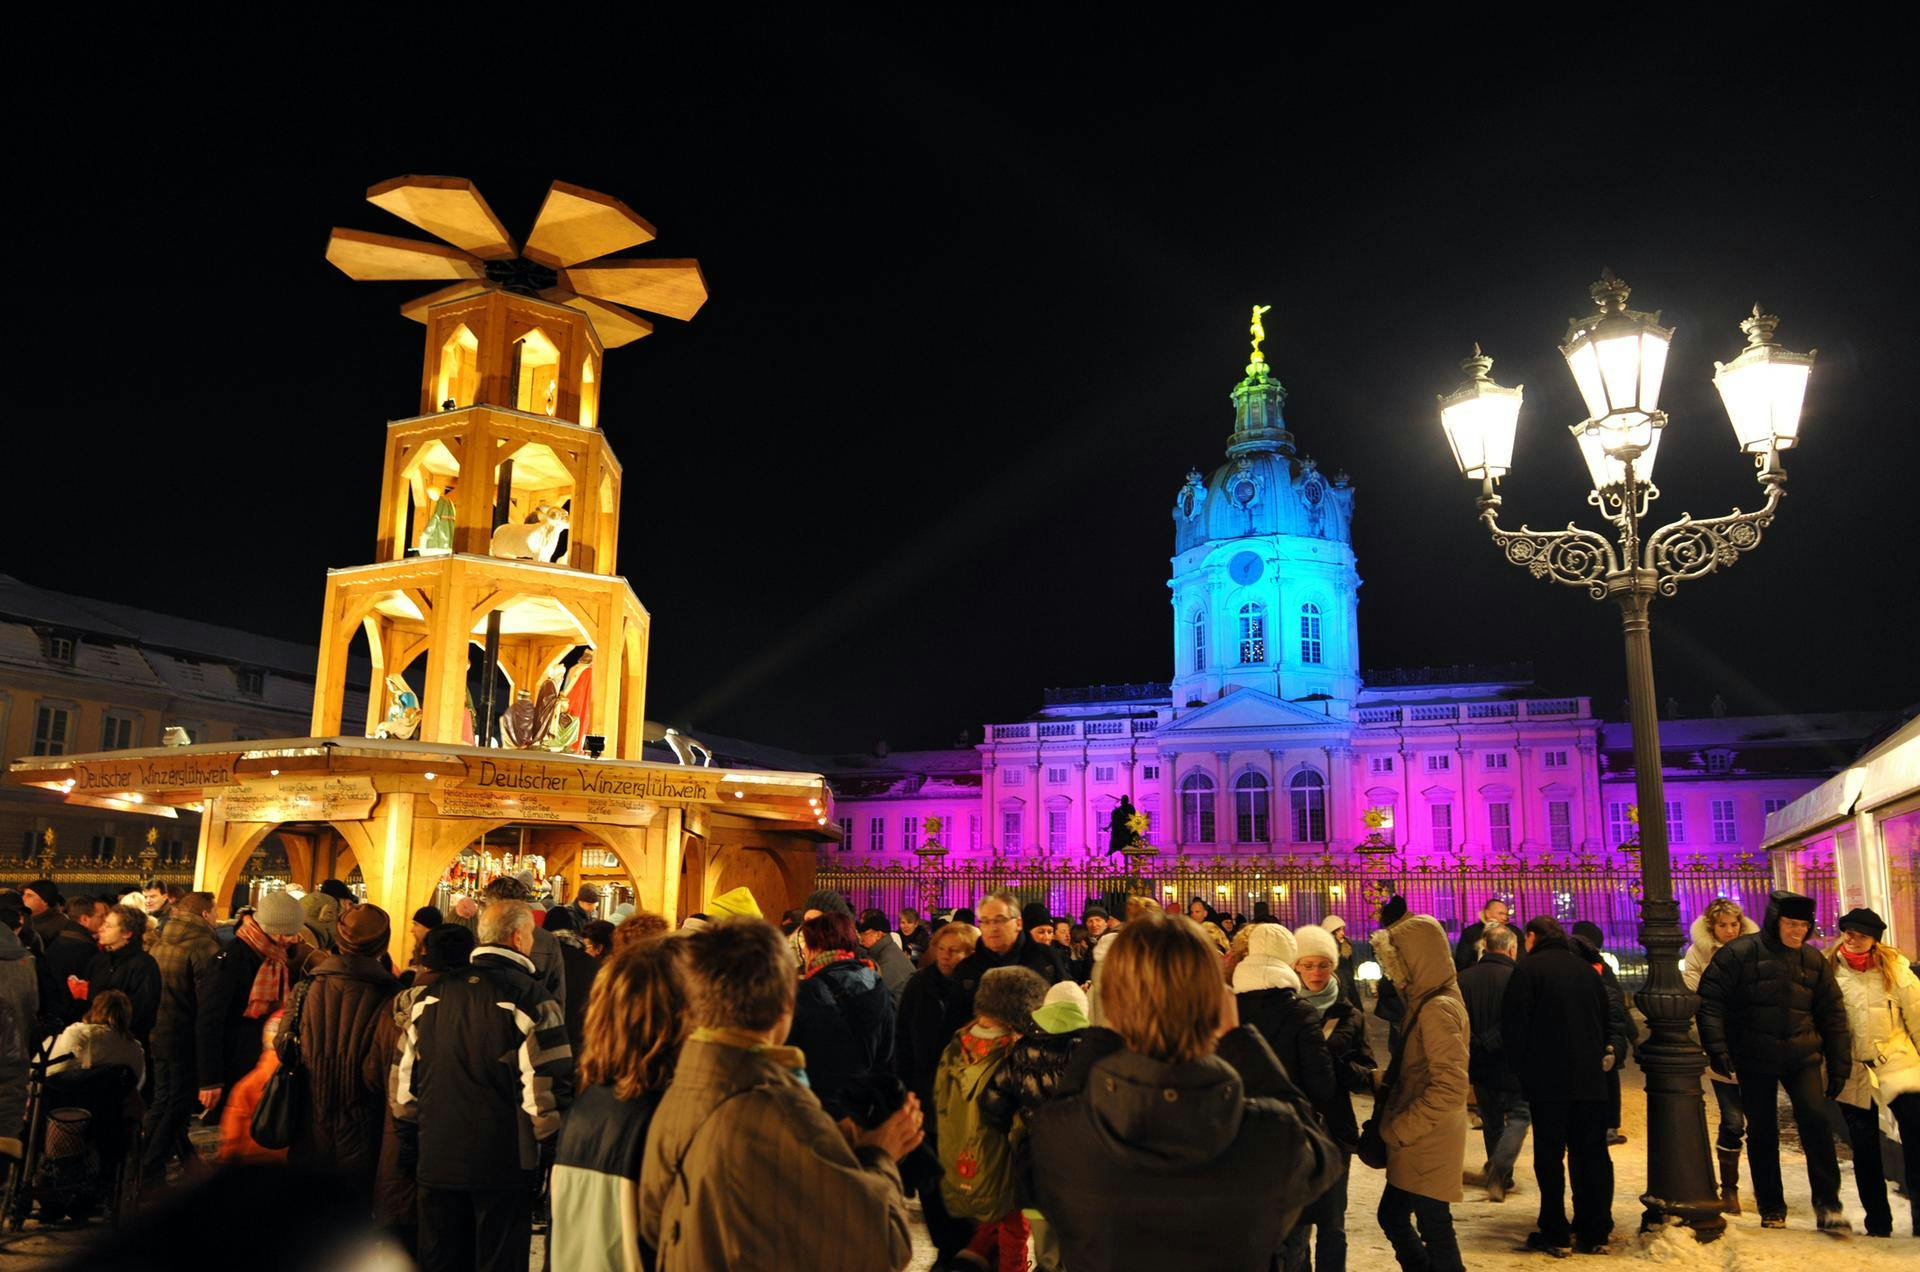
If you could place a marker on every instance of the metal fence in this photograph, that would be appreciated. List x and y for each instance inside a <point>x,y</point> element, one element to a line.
<point>1602,888</point>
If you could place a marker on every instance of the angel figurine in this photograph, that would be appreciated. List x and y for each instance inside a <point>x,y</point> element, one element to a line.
<point>403,710</point>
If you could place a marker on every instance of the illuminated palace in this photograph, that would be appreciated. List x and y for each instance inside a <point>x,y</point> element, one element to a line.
<point>1268,739</point>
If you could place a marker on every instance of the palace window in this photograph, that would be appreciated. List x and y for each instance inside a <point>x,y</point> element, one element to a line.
<point>1726,830</point>
<point>103,847</point>
<point>1103,772</point>
<point>1010,830</point>
<point>1620,827</point>
<point>1253,634</point>
<point>1013,775</point>
<point>1310,634</point>
<point>1560,825</point>
<point>1150,809</point>
<point>59,649</point>
<point>1439,763</point>
<point>1719,761</point>
<point>250,681</point>
<point>1380,764</point>
<point>1500,827</point>
<point>1440,819</point>
<point>1056,777</point>
<point>973,832</point>
<point>119,730</point>
<point>1494,761</point>
<point>1149,772</point>
<point>52,730</point>
<point>909,833</point>
<point>1553,759</point>
<point>1307,800</point>
<point>1250,809</point>
<point>1200,641</point>
<point>846,833</point>
<point>1676,822</point>
<point>1771,806</point>
<point>876,834</point>
<point>1196,809</point>
<point>1056,830</point>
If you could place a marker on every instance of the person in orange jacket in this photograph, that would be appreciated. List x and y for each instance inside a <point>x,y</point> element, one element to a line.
<point>236,1123</point>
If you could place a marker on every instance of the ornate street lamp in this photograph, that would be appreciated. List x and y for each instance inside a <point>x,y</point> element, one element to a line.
<point>1618,358</point>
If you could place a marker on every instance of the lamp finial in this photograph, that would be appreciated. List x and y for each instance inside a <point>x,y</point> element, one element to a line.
<point>1611,292</point>
<point>1759,328</point>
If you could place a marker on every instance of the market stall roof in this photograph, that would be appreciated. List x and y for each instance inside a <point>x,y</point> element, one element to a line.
<point>1888,772</point>
<point>157,780</point>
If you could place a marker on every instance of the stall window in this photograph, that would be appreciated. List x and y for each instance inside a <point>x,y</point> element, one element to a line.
<point>52,729</point>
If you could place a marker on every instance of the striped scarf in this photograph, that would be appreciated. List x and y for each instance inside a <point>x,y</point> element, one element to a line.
<point>270,982</point>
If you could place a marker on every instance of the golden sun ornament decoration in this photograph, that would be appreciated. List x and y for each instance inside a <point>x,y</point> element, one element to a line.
<point>1137,823</point>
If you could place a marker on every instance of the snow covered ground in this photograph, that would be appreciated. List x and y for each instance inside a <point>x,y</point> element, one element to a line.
<point>1491,1235</point>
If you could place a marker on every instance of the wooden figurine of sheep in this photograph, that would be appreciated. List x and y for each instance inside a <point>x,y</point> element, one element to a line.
<point>534,541</point>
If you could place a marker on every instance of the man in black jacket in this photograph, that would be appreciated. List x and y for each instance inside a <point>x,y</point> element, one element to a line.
<point>483,1075</point>
<point>1770,1011</point>
<point>1465,950</point>
<point>1003,944</point>
<point>1504,1114</point>
<point>1555,1031</point>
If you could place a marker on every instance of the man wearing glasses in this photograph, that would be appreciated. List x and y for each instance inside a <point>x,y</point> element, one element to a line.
<point>1003,944</point>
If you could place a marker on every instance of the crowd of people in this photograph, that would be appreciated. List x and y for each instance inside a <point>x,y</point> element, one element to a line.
<point>1056,1094</point>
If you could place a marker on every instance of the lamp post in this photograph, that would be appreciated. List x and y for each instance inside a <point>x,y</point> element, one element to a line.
<point>1618,358</point>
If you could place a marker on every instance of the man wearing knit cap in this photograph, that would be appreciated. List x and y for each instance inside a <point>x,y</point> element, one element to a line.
<point>349,989</point>
<point>1771,1011</point>
<point>252,978</point>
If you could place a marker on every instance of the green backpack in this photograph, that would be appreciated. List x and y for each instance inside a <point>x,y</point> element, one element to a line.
<point>976,1158</point>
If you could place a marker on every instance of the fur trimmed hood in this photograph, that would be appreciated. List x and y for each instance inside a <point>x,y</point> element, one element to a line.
<point>1702,935</point>
<point>1416,954</point>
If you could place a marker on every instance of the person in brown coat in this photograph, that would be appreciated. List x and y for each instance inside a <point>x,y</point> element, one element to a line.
<point>185,952</point>
<point>1422,1114</point>
<point>348,994</point>
<point>743,1168</point>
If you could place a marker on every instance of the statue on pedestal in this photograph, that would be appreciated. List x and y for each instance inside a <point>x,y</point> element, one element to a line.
<point>1121,832</point>
<point>579,692</point>
<point>403,710</point>
<point>437,538</point>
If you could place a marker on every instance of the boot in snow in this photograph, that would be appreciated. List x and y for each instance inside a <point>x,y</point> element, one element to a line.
<point>1729,1181</point>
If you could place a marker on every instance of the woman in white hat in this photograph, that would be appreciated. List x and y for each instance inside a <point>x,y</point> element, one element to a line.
<point>1883,1014</point>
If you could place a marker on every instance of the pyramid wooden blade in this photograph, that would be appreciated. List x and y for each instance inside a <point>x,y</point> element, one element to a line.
<point>673,288</point>
<point>615,326</point>
<point>370,257</point>
<point>448,208</point>
<point>417,308</point>
<point>576,224</point>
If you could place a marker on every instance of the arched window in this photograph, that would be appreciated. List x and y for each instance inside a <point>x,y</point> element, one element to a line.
<point>1308,795</point>
<point>589,395</point>
<point>1200,641</point>
<point>536,374</point>
<point>1310,634</point>
<point>1253,633</point>
<point>1250,809</point>
<point>459,370</point>
<point>1196,809</point>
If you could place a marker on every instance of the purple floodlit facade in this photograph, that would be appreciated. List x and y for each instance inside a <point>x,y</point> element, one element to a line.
<point>1270,740</point>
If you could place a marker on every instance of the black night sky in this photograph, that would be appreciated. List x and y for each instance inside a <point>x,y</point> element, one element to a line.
<point>978,298</point>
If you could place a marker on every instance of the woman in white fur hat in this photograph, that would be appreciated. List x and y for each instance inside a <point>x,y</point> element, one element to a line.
<point>1268,991</point>
<point>1344,1027</point>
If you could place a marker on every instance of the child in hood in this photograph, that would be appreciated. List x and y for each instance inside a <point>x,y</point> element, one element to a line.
<point>977,1156</point>
<point>1029,1078</point>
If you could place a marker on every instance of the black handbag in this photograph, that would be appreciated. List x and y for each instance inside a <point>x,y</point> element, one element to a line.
<point>283,1101</point>
<point>1372,1149</point>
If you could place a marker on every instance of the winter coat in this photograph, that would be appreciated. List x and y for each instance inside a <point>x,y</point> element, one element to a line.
<point>916,942</point>
<point>1423,1116</point>
<point>185,955</point>
<point>132,971</point>
<point>483,1076</point>
<point>1465,954</point>
<point>1699,954</point>
<point>745,1170</point>
<point>1291,1028</point>
<point>345,999</point>
<point>1344,1027</point>
<point>931,1010</point>
<point>843,1023</point>
<point>95,1046</point>
<point>1885,1027</point>
<point>976,1157</point>
<point>579,968</point>
<point>19,1002</point>
<point>896,969</point>
<point>227,1044</point>
<point>1483,987</point>
<point>1556,1024</point>
<point>70,951</point>
<point>1024,952</point>
<point>549,965</point>
<point>1775,1010</point>
<point>595,1199</point>
<point>236,1118</point>
<point>393,1185</point>
<point>1137,1156</point>
<point>1030,1077</point>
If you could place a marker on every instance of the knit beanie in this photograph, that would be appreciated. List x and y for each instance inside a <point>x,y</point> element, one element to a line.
<point>1067,992</point>
<point>1065,1010</point>
<point>428,916</point>
<point>363,930</point>
<point>1334,923</point>
<point>1011,995</point>
<point>1314,940</point>
<point>46,889</point>
<point>446,947</point>
<point>279,914</point>
<point>827,901</point>
<point>1271,950</point>
<point>1035,914</point>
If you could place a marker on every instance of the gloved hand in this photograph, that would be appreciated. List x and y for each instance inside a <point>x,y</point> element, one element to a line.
<point>1607,1061</point>
<point>1722,1063</point>
<point>1836,1083</point>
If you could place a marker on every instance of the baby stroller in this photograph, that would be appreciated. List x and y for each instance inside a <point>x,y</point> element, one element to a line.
<point>83,1145</point>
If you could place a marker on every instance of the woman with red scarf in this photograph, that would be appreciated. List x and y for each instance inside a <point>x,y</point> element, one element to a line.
<point>1883,1014</point>
<point>252,978</point>
<point>842,1013</point>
